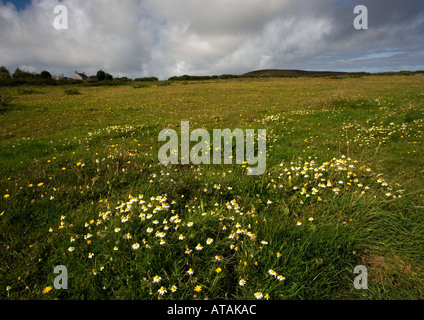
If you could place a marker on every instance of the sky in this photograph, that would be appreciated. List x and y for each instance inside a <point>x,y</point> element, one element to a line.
<point>164,38</point>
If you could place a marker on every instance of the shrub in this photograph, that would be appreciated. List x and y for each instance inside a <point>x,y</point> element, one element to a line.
<point>71,91</point>
<point>5,99</point>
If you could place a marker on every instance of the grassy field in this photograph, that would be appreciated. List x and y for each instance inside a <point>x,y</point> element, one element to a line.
<point>81,186</point>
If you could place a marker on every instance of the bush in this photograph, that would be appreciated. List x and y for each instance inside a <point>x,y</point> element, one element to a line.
<point>5,99</point>
<point>45,75</point>
<point>71,91</point>
<point>141,85</point>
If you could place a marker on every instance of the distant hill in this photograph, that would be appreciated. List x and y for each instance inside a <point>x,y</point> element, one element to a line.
<point>292,73</point>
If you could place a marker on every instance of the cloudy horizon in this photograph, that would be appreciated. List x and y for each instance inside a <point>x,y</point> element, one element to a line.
<point>164,38</point>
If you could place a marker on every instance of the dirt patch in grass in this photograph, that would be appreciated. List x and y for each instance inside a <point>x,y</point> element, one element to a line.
<point>393,271</point>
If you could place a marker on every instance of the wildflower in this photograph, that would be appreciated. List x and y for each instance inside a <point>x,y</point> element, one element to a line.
<point>117,229</point>
<point>189,224</point>
<point>135,246</point>
<point>174,288</point>
<point>157,278</point>
<point>90,255</point>
<point>70,249</point>
<point>267,296</point>
<point>88,236</point>
<point>162,291</point>
<point>209,241</point>
<point>311,219</point>
<point>264,242</point>
<point>190,271</point>
<point>6,196</point>
<point>160,234</point>
<point>199,247</point>
<point>115,248</point>
<point>162,242</point>
<point>281,278</point>
<point>299,223</point>
<point>258,295</point>
<point>278,255</point>
<point>47,289</point>
<point>198,288</point>
<point>269,202</point>
<point>218,270</point>
<point>242,282</point>
<point>149,230</point>
<point>181,237</point>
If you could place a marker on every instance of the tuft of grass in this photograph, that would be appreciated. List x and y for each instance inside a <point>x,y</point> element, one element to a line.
<point>71,91</point>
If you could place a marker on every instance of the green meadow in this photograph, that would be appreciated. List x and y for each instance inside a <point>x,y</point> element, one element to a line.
<point>81,186</point>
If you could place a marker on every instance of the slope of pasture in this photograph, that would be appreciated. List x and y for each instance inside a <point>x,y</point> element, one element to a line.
<point>81,186</point>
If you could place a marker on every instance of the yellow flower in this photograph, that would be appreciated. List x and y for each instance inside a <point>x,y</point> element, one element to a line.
<point>47,289</point>
<point>6,196</point>
<point>218,270</point>
<point>198,288</point>
<point>40,184</point>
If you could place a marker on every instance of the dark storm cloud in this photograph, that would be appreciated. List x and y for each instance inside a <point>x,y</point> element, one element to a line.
<point>172,37</point>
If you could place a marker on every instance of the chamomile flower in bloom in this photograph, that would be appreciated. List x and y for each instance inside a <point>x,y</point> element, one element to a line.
<point>299,223</point>
<point>209,241</point>
<point>70,249</point>
<point>174,288</point>
<point>258,295</point>
<point>242,282</point>
<point>135,246</point>
<point>199,247</point>
<point>162,291</point>
<point>117,229</point>
<point>272,272</point>
<point>190,271</point>
<point>281,278</point>
<point>190,224</point>
<point>181,237</point>
<point>90,255</point>
<point>311,219</point>
<point>264,242</point>
<point>149,230</point>
<point>157,278</point>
